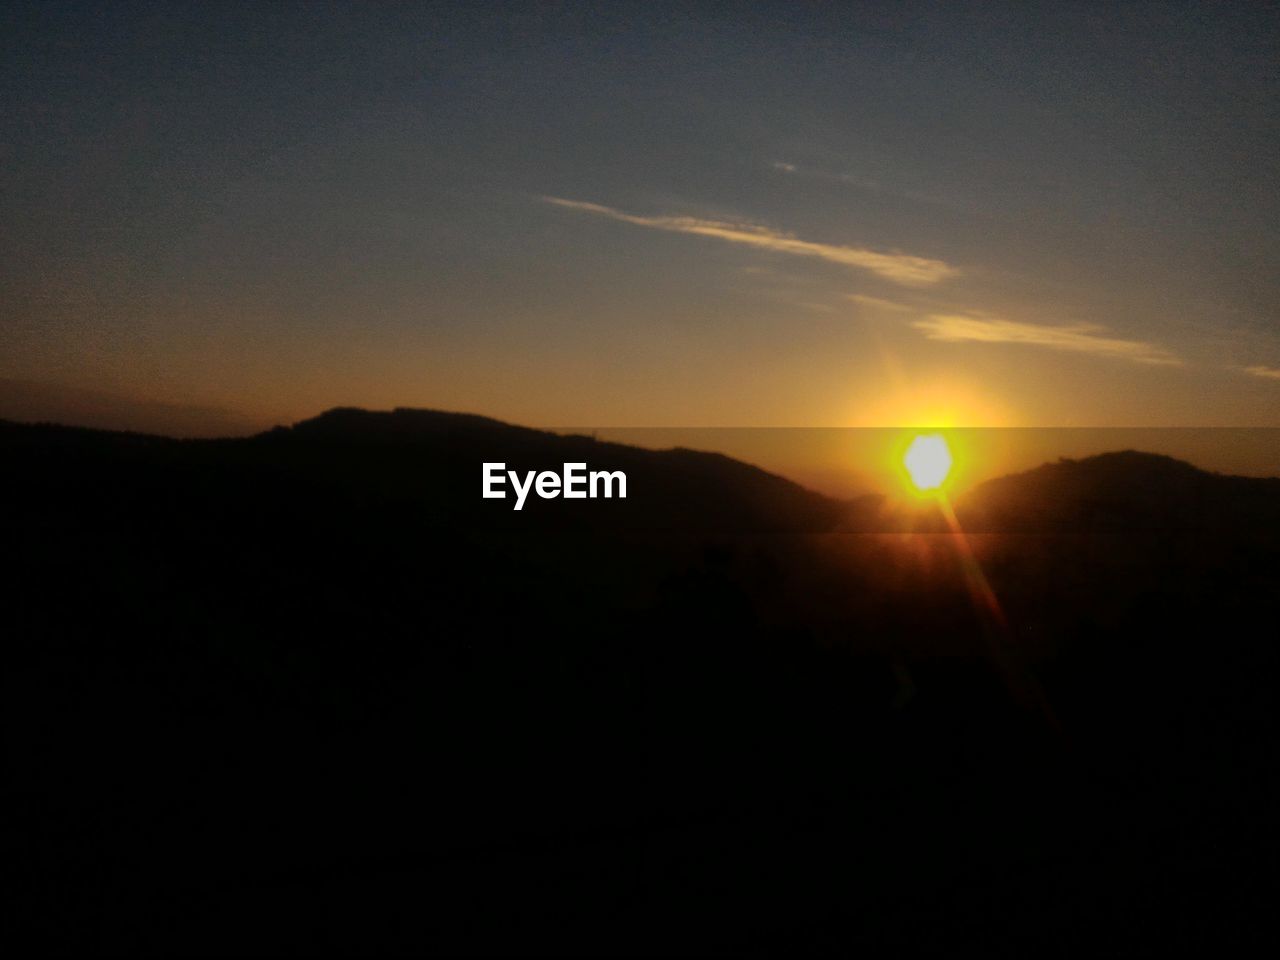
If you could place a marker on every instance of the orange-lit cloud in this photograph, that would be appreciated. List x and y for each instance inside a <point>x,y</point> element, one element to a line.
<point>899,268</point>
<point>1078,338</point>
<point>1267,373</point>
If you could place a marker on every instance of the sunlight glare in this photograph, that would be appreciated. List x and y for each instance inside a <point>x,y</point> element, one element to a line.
<point>928,461</point>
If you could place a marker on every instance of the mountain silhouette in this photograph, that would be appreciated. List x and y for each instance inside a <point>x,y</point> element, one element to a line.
<point>307,690</point>
<point>669,489</point>
<point>1126,490</point>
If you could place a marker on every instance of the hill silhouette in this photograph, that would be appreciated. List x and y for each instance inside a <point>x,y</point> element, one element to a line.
<point>307,691</point>
<point>1125,490</point>
<point>670,489</point>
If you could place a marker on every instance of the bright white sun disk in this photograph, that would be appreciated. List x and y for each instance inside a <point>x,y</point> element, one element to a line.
<point>928,461</point>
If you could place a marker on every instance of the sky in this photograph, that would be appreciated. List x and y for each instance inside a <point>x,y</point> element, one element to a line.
<point>647,215</point>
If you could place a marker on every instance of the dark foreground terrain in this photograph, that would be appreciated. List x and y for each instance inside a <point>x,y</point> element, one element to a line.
<point>307,692</point>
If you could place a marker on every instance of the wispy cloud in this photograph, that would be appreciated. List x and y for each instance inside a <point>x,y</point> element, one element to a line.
<point>878,303</point>
<point>863,183</point>
<point>1078,338</point>
<point>899,268</point>
<point>1267,373</point>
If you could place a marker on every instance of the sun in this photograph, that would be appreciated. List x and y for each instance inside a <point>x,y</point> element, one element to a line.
<point>928,461</point>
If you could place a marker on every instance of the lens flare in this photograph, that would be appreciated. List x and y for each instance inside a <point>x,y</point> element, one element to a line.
<point>928,461</point>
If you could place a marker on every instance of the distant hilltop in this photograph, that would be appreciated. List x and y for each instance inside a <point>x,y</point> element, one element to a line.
<point>1125,490</point>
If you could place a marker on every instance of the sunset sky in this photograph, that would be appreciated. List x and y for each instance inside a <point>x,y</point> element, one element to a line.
<point>646,215</point>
